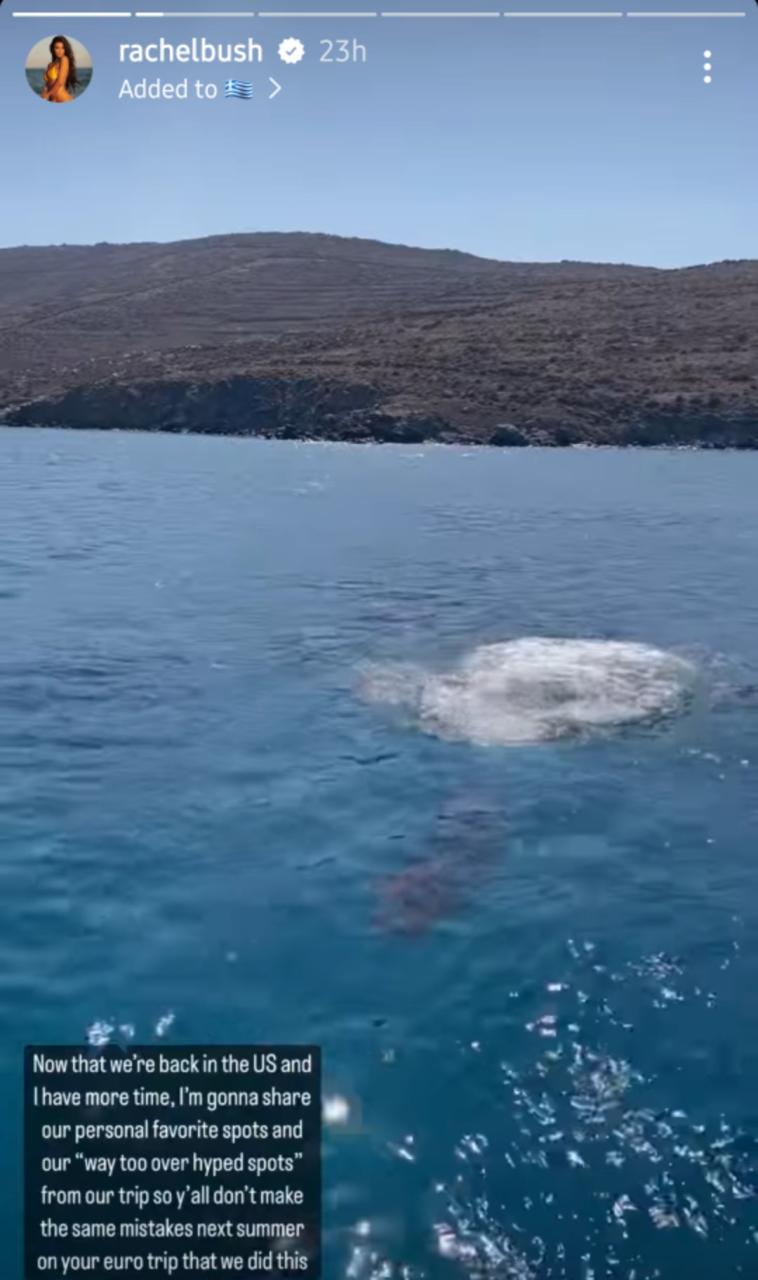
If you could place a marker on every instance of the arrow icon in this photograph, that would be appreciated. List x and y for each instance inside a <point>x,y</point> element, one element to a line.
<point>277,87</point>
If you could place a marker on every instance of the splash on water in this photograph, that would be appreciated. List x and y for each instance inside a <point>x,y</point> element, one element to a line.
<point>164,1024</point>
<point>99,1033</point>
<point>538,690</point>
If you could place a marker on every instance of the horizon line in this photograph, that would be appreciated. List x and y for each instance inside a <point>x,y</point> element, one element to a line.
<point>369,240</point>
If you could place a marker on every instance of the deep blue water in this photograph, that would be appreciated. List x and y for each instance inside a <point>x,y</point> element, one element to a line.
<point>201,818</point>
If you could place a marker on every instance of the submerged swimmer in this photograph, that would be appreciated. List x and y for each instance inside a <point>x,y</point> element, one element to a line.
<point>466,843</point>
<point>517,693</point>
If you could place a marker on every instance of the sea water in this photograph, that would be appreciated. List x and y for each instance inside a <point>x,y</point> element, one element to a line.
<point>443,759</point>
<point>36,79</point>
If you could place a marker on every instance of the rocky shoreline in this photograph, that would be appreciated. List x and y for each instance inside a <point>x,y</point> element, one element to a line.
<point>313,337</point>
<point>292,412</point>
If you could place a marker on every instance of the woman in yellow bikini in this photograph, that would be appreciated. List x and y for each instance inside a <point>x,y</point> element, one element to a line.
<point>60,76</point>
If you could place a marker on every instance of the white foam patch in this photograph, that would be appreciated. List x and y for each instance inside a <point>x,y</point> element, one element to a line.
<point>538,690</point>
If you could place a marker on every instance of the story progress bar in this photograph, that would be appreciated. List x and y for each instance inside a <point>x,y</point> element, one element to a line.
<point>386,14</point>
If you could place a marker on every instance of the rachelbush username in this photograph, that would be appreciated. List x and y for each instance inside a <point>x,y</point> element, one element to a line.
<point>198,49</point>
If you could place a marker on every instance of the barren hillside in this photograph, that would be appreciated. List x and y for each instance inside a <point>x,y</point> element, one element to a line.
<point>300,335</point>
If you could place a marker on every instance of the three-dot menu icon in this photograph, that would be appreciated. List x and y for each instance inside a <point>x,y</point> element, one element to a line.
<point>707,66</point>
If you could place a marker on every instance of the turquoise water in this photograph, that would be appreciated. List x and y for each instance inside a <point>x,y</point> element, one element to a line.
<point>532,965</point>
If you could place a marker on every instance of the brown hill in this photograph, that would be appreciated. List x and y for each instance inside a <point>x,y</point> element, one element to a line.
<point>301,335</point>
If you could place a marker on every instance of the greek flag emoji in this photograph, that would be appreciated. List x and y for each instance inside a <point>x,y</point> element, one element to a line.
<point>238,89</point>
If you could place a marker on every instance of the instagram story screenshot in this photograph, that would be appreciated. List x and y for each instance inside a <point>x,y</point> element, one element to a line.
<point>378,615</point>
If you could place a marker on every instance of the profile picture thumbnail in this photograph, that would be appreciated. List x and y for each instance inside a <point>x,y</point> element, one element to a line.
<point>59,69</point>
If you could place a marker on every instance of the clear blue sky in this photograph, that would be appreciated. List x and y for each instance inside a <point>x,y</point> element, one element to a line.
<point>531,140</point>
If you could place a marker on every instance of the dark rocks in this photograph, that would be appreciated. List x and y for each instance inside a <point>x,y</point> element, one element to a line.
<point>508,436</point>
